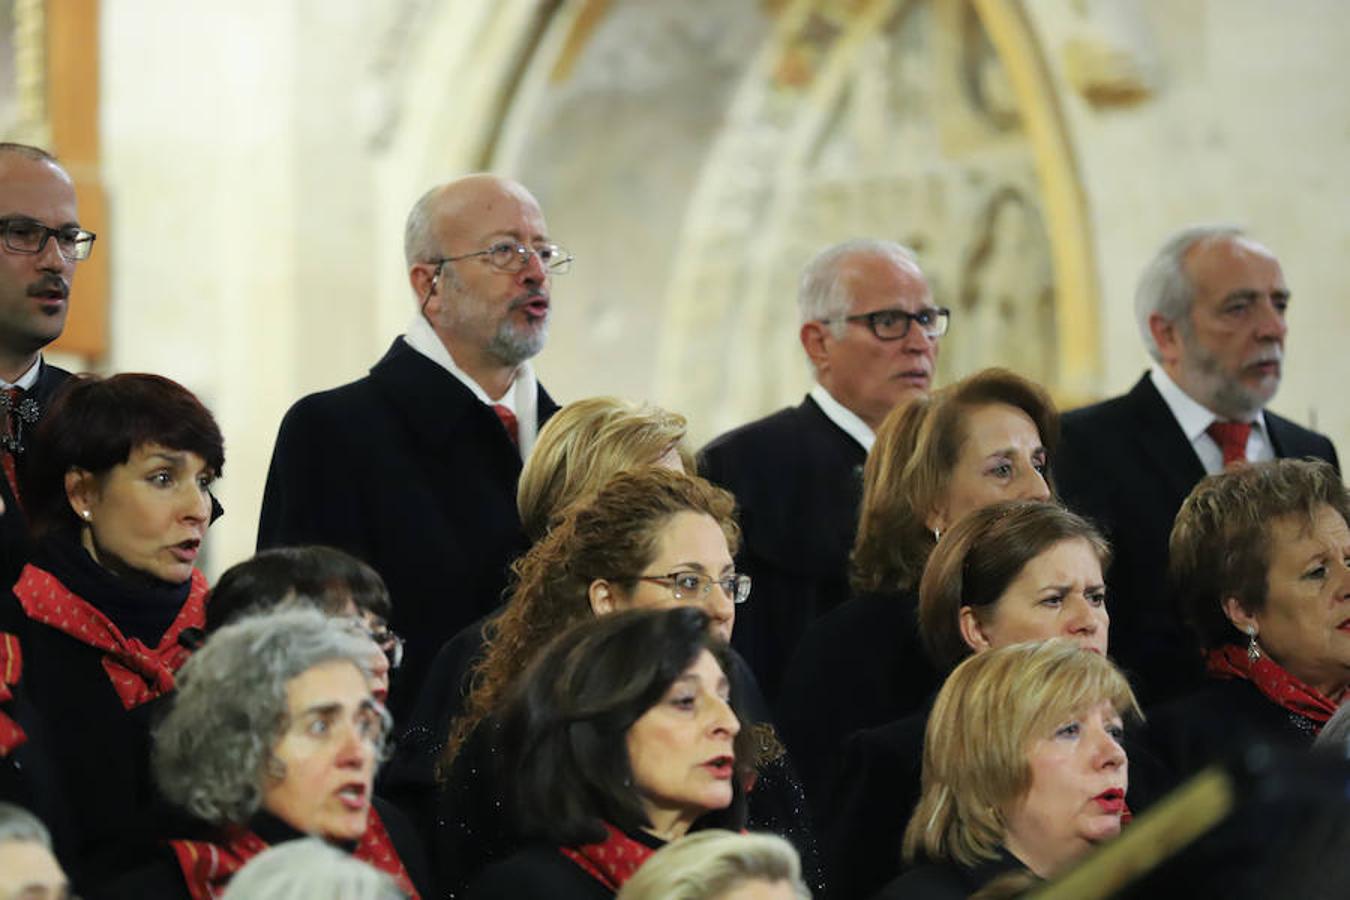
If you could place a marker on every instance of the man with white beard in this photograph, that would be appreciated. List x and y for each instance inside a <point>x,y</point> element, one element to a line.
<point>1211,307</point>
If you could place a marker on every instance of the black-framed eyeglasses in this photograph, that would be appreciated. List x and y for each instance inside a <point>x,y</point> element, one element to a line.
<point>694,586</point>
<point>390,643</point>
<point>893,324</point>
<point>23,235</point>
<point>512,256</point>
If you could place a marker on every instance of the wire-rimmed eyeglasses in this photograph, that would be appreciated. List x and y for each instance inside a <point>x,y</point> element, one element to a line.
<point>24,235</point>
<point>893,324</point>
<point>512,256</point>
<point>695,586</point>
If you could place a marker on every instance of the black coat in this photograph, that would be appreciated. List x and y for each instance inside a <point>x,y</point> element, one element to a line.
<point>797,478</point>
<point>950,881</point>
<point>96,748</point>
<point>540,871</point>
<point>1126,464</point>
<point>1218,721</point>
<point>859,666</point>
<point>162,876</point>
<point>16,546</point>
<point>407,470</point>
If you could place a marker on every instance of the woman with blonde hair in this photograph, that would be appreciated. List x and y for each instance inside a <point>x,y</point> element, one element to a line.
<point>1045,782</point>
<point>986,438</point>
<point>720,865</point>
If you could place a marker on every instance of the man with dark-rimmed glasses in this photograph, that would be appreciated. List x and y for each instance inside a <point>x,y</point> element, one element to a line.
<point>414,467</point>
<point>870,330</point>
<point>41,242</point>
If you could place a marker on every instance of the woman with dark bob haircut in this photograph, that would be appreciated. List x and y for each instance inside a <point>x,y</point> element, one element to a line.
<point>622,735</point>
<point>273,735</point>
<point>1260,563</point>
<point>986,438</point>
<point>118,494</point>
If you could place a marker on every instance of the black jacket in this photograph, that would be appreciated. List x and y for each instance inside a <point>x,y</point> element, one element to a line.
<point>950,881</point>
<point>1126,464</point>
<point>859,666</point>
<point>16,546</point>
<point>407,470</point>
<point>797,478</point>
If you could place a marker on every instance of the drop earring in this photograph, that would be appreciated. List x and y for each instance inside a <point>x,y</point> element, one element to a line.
<point>1253,649</point>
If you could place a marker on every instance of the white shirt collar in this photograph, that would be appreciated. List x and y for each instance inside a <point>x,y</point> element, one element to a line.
<point>1191,415</point>
<point>522,397</point>
<point>27,379</point>
<point>844,417</point>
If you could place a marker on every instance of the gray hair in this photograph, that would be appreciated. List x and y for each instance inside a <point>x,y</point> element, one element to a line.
<point>18,824</point>
<point>308,867</point>
<point>419,234</point>
<point>1335,735</point>
<point>708,864</point>
<point>821,293</point>
<point>214,748</point>
<point>1165,288</point>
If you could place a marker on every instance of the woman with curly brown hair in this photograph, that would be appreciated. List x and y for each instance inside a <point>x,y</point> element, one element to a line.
<point>650,539</point>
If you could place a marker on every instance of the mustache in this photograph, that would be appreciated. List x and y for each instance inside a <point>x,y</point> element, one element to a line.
<point>528,297</point>
<point>1268,354</point>
<point>49,284</point>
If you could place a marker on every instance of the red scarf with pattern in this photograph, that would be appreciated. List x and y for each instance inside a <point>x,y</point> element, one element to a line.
<point>208,868</point>
<point>1231,661</point>
<point>138,673</point>
<point>612,861</point>
<point>11,667</point>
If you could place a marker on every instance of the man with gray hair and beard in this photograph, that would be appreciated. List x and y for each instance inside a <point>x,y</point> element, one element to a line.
<point>413,468</point>
<point>1211,308</point>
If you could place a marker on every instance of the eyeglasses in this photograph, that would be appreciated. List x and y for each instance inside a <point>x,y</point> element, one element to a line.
<point>27,236</point>
<point>893,324</point>
<point>695,585</point>
<point>383,636</point>
<point>511,257</point>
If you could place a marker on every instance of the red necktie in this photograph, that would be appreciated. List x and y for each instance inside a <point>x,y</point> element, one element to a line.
<point>508,422</point>
<point>1232,440</point>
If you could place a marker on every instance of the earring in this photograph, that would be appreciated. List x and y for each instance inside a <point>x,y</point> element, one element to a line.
<point>86,515</point>
<point>937,535</point>
<point>1253,650</point>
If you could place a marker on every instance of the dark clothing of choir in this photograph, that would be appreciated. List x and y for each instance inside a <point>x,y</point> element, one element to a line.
<point>949,881</point>
<point>1127,465</point>
<point>97,746</point>
<point>541,871</point>
<point>408,470</point>
<point>163,877</point>
<point>859,666</point>
<point>16,545</point>
<point>1217,722</point>
<point>797,478</point>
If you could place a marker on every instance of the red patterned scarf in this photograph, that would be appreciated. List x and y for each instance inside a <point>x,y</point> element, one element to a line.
<point>612,861</point>
<point>1231,661</point>
<point>208,868</point>
<point>11,668</point>
<point>138,673</point>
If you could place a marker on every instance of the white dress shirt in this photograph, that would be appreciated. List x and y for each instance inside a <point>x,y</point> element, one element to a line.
<point>1194,419</point>
<point>844,417</point>
<point>521,397</point>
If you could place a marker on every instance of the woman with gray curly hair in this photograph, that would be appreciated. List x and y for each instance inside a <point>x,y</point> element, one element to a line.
<point>273,735</point>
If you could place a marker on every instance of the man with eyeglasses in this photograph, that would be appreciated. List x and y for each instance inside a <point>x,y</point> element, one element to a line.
<point>40,243</point>
<point>414,467</point>
<point>870,330</point>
